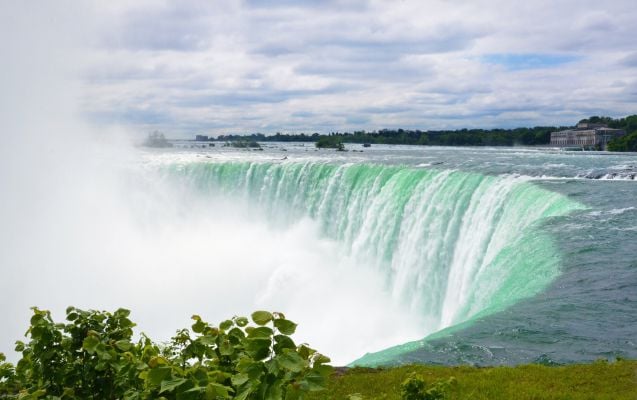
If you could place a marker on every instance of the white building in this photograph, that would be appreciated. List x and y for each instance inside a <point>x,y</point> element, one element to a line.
<point>586,135</point>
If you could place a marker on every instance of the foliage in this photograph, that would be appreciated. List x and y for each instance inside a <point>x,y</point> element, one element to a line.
<point>415,388</point>
<point>8,382</point>
<point>330,142</point>
<point>599,380</point>
<point>462,137</point>
<point>94,356</point>
<point>539,135</point>
<point>624,143</point>
<point>627,142</point>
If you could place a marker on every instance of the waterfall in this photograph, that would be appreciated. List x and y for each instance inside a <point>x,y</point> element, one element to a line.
<point>450,245</point>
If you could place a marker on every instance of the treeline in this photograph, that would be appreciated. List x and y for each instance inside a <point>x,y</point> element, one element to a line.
<point>629,124</point>
<point>539,135</point>
<point>463,137</point>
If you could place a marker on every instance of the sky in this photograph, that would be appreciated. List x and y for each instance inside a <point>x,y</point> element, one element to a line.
<point>216,67</point>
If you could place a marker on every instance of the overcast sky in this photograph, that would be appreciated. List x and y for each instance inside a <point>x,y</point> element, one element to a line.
<point>212,67</point>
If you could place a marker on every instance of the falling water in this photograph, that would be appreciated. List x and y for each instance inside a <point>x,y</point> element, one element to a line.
<point>449,245</point>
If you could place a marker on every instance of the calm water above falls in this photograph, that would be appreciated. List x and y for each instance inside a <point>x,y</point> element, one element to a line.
<point>503,256</point>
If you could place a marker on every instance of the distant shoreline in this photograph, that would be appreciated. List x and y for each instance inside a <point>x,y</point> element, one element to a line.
<point>203,144</point>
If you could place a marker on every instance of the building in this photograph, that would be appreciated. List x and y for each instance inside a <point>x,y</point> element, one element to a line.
<point>201,138</point>
<point>586,136</point>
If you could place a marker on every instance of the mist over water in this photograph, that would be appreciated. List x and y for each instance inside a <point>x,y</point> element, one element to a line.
<point>84,224</point>
<point>446,245</point>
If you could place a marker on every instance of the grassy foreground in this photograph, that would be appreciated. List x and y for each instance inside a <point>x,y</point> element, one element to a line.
<point>599,380</point>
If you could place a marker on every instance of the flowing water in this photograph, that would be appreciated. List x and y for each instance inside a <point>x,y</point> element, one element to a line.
<point>496,256</point>
<point>392,255</point>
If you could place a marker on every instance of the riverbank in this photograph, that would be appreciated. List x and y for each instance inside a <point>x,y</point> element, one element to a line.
<point>598,380</point>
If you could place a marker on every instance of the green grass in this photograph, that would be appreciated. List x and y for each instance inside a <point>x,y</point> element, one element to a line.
<point>599,380</point>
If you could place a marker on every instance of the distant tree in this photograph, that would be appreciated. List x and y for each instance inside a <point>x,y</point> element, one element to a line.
<point>627,142</point>
<point>538,135</point>
<point>597,120</point>
<point>330,142</point>
<point>624,143</point>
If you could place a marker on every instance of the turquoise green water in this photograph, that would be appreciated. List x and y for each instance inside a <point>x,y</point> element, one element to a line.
<point>501,255</point>
<point>451,245</point>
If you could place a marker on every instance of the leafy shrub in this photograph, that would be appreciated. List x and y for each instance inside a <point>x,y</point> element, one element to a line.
<point>415,388</point>
<point>93,356</point>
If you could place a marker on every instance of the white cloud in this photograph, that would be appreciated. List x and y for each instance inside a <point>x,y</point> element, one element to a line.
<point>279,65</point>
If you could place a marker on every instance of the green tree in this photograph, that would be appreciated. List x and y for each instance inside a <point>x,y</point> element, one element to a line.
<point>624,143</point>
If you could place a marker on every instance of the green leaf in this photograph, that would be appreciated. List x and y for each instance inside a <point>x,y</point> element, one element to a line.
<point>318,359</point>
<point>252,368</point>
<point>198,326</point>
<point>239,379</point>
<point>156,361</point>
<point>324,370</point>
<point>226,348</point>
<point>217,390</point>
<point>283,342</point>
<point>170,385</point>
<point>244,393</point>
<point>293,392</point>
<point>261,317</point>
<point>274,391</point>
<point>90,343</point>
<point>126,323</point>
<point>258,348</point>
<point>236,334</point>
<point>225,325</point>
<point>241,321</point>
<point>194,393</point>
<point>291,361</point>
<point>305,352</point>
<point>315,381</point>
<point>37,394</point>
<point>260,332</point>
<point>36,319</point>
<point>207,340</point>
<point>102,352</point>
<point>285,326</point>
<point>122,312</point>
<point>157,375</point>
<point>123,345</point>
